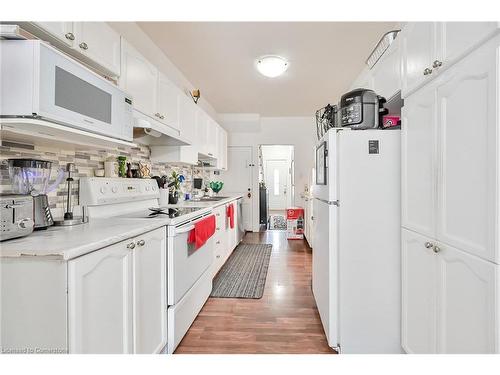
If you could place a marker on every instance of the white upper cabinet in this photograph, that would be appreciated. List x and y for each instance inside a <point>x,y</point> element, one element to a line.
<point>467,303</point>
<point>431,47</point>
<point>418,164</point>
<point>419,305</point>
<point>60,30</point>
<point>467,97</point>
<point>457,38</point>
<point>418,49</point>
<point>386,74</point>
<point>169,97</point>
<point>99,42</point>
<point>140,79</point>
<point>100,293</point>
<point>211,137</point>
<point>201,131</point>
<point>222,149</point>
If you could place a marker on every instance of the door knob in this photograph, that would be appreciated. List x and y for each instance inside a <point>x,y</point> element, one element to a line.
<point>69,36</point>
<point>428,245</point>
<point>131,246</point>
<point>436,249</point>
<point>141,243</point>
<point>83,45</point>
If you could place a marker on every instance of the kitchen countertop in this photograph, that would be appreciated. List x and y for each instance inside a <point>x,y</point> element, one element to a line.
<point>70,242</point>
<point>66,243</point>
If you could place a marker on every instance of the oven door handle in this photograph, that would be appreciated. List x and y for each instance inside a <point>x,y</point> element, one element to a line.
<point>184,230</point>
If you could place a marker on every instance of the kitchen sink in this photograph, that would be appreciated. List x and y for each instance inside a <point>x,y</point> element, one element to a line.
<point>212,199</point>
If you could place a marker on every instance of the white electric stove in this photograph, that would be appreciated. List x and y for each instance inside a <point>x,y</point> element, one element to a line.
<point>189,280</point>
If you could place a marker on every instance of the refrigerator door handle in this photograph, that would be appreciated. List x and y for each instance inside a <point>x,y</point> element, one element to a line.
<point>334,203</point>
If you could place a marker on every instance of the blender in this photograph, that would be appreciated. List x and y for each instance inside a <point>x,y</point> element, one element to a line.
<point>31,177</point>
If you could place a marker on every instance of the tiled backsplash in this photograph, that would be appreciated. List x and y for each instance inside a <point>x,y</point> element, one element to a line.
<point>85,164</point>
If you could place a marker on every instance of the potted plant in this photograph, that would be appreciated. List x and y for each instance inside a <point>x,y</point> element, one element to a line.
<point>174,187</point>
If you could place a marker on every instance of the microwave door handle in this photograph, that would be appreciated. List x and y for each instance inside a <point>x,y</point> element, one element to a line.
<point>182,230</point>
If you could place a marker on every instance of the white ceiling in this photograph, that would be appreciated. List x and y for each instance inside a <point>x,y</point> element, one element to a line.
<point>219,58</point>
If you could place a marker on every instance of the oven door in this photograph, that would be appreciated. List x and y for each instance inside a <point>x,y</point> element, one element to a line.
<point>72,95</point>
<point>185,263</point>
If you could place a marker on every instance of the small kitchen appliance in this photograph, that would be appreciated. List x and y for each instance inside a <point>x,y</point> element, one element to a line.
<point>69,219</point>
<point>361,109</point>
<point>31,177</point>
<point>16,216</point>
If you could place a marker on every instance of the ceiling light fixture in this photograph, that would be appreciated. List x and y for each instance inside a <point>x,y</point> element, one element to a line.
<point>272,66</point>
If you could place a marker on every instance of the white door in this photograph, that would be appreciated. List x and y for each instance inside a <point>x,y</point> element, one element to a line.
<point>100,301</point>
<point>150,292</point>
<point>468,141</point>
<point>139,78</point>
<point>456,38</point>
<point>278,183</point>
<point>419,310</point>
<point>169,97</point>
<point>238,179</point>
<point>467,303</point>
<point>99,42</point>
<point>418,148</point>
<point>418,42</point>
<point>61,30</point>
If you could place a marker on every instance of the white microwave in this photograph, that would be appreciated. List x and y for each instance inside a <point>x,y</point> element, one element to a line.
<point>38,81</point>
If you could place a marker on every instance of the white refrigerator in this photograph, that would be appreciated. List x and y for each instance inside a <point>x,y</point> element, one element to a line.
<point>356,251</point>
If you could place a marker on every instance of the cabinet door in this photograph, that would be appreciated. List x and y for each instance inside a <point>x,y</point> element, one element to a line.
<point>418,169</point>
<point>99,42</point>
<point>211,137</point>
<point>168,102</point>
<point>139,78</point>
<point>467,303</point>
<point>387,72</point>
<point>456,38</point>
<point>150,292</point>
<point>61,30</point>
<point>201,131</point>
<point>467,111</point>
<point>418,42</point>
<point>222,149</point>
<point>364,80</point>
<point>100,301</point>
<point>419,267</point>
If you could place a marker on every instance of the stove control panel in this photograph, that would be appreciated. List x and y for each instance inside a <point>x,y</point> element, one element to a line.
<point>95,191</point>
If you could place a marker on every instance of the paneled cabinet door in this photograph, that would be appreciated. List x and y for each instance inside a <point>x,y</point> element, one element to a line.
<point>467,99</point>
<point>61,30</point>
<point>418,147</point>
<point>222,149</point>
<point>419,267</point>
<point>418,50</point>
<point>456,38</point>
<point>100,301</point>
<point>99,42</point>
<point>201,131</point>
<point>211,137</point>
<point>150,292</point>
<point>139,78</point>
<point>467,303</point>
<point>168,102</point>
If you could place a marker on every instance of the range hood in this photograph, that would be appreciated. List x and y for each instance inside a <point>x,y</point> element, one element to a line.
<point>150,132</point>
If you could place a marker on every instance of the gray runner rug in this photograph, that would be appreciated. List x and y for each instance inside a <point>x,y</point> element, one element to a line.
<point>244,273</point>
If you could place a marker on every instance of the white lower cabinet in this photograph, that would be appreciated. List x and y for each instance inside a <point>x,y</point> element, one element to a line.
<point>100,301</point>
<point>225,237</point>
<point>449,299</point>
<point>117,297</point>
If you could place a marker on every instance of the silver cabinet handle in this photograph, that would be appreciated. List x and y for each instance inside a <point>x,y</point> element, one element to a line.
<point>428,245</point>
<point>217,228</point>
<point>69,36</point>
<point>83,45</point>
<point>218,242</point>
<point>217,256</point>
<point>162,117</point>
<point>437,64</point>
<point>141,243</point>
<point>131,246</point>
<point>436,249</point>
<point>157,115</point>
<point>427,71</point>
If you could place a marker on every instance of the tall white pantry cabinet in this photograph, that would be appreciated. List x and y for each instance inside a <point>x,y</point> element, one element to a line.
<point>450,201</point>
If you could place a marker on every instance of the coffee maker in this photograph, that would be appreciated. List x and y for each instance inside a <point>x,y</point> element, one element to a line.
<point>31,177</point>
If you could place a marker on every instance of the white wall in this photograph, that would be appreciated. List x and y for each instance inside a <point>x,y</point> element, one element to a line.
<point>296,131</point>
<point>143,43</point>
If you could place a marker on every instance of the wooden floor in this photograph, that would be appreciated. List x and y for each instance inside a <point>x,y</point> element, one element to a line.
<point>284,320</point>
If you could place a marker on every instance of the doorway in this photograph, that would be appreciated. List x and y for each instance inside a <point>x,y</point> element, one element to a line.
<point>276,185</point>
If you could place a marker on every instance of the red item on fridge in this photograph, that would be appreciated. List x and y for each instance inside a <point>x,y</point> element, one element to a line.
<point>230,215</point>
<point>295,223</point>
<point>203,230</point>
<point>390,121</point>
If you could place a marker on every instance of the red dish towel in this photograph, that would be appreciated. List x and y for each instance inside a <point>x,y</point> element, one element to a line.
<point>203,230</point>
<point>230,215</point>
